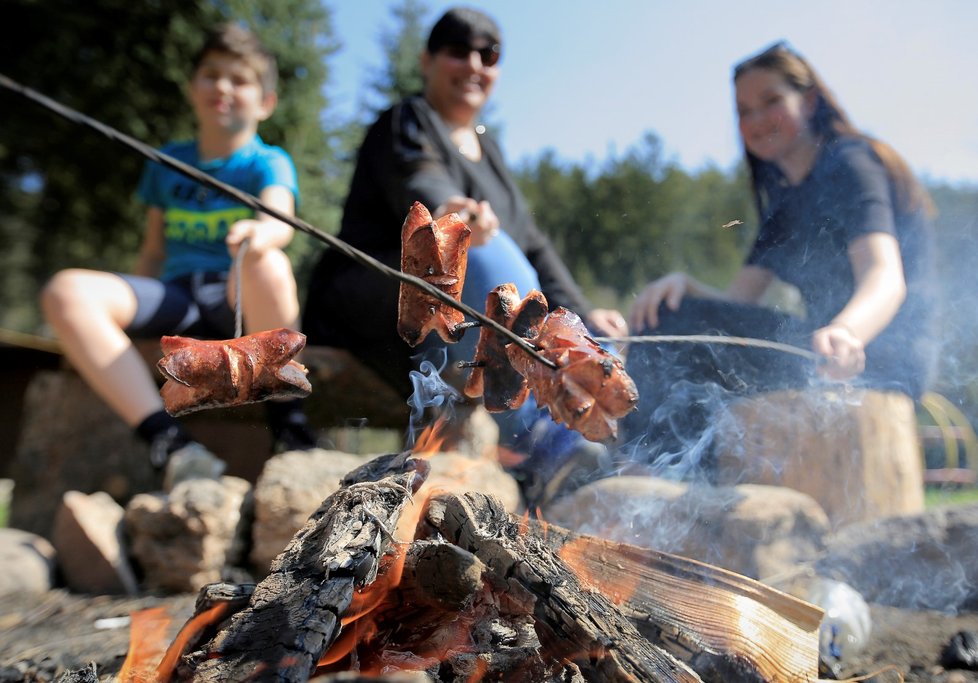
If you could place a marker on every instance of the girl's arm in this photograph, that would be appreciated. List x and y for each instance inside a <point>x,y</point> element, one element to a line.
<point>880,291</point>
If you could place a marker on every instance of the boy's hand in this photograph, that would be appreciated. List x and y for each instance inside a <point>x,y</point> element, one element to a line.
<point>264,232</point>
<point>262,235</point>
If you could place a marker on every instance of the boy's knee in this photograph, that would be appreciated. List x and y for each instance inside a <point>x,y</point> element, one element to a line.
<point>271,266</point>
<point>59,292</point>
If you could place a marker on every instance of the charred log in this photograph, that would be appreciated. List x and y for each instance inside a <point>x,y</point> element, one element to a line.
<point>573,621</point>
<point>295,613</point>
<point>735,629</point>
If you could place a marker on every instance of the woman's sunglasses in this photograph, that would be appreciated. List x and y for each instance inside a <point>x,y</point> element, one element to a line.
<point>489,55</point>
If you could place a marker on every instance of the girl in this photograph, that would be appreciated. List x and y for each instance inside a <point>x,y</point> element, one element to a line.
<point>841,218</point>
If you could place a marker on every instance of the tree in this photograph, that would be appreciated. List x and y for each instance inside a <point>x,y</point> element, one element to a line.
<point>401,74</point>
<point>66,193</point>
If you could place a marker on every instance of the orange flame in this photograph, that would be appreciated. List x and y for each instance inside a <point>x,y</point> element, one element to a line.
<point>357,624</point>
<point>431,439</point>
<point>147,644</point>
<point>190,631</point>
<point>544,525</point>
<point>508,458</point>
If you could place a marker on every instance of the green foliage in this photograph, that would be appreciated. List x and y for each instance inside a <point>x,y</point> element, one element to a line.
<point>639,217</point>
<point>957,225</point>
<point>66,193</point>
<point>400,75</point>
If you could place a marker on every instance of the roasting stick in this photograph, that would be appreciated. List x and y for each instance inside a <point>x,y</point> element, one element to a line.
<point>254,203</point>
<point>711,339</point>
<point>238,322</point>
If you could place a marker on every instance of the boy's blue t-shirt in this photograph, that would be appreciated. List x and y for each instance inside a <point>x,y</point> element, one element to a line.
<point>196,218</point>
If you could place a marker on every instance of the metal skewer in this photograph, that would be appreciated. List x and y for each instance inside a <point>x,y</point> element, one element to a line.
<point>254,203</point>
<point>712,339</point>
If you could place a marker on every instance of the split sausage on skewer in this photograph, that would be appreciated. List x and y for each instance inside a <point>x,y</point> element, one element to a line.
<point>494,377</point>
<point>590,390</point>
<point>231,372</point>
<point>437,251</point>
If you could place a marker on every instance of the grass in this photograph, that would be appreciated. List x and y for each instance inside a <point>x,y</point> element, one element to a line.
<point>6,489</point>
<point>945,495</point>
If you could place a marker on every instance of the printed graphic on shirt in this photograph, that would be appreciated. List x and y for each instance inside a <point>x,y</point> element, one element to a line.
<point>201,227</point>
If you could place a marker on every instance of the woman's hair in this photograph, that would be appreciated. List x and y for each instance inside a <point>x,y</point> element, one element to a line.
<point>829,121</point>
<point>234,39</point>
<point>462,25</point>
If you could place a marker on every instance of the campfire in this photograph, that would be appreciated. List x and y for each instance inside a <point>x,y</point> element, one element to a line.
<point>387,579</point>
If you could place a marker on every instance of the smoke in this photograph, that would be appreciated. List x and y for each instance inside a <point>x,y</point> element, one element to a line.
<point>430,391</point>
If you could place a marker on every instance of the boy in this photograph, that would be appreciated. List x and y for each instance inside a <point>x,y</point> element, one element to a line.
<point>181,283</point>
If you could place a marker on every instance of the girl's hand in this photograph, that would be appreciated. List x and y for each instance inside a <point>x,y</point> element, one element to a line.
<point>670,288</point>
<point>479,216</point>
<point>844,353</point>
<point>609,322</point>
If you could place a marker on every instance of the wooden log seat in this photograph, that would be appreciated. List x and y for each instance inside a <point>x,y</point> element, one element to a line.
<point>856,452</point>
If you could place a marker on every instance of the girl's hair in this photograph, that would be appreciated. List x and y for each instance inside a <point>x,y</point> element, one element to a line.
<point>829,121</point>
<point>234,39</point>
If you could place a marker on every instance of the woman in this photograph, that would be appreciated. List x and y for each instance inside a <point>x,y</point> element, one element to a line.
<point>430,148</point>
<point>843,219</point>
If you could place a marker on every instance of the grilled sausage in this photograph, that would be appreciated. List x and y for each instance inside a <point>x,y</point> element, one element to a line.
<point>494,378</point>
<point>589,390</point>
<point>438,253</point>
<point>218,374</point>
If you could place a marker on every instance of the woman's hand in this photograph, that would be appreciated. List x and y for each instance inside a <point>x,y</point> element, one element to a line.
<point>670,288</point>
<point>607,321</point>
<point>479,216</point>
<point>844,353</point>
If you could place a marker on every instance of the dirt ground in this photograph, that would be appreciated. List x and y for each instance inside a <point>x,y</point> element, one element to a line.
<point>42,636</point>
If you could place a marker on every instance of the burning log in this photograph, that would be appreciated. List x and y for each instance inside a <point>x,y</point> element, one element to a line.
<point>573,621</point>
<point>296,612</point>
<point>481,595</point>
<point>231,372</point>
<point>726,626</point>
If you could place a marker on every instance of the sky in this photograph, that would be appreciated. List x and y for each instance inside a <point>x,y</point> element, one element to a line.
<point>589,79</point>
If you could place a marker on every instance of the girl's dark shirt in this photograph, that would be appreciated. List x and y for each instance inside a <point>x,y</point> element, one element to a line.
<point>806,230</point>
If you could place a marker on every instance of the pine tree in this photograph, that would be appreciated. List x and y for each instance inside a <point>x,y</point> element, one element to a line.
<point>67,193</point>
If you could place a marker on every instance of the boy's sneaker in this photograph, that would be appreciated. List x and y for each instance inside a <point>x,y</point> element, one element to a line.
<point>164,443</point>
<point>191,461</point>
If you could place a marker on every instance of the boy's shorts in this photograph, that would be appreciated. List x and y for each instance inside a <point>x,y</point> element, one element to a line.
<point>192,306</point>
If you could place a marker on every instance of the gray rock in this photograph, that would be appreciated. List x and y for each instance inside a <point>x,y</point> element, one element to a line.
<point>754,530</point>
<point>88,538</point>
<point>290,488</point>
<point>26,562</point>
<point>925,561</point>
<point>192,536</point>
